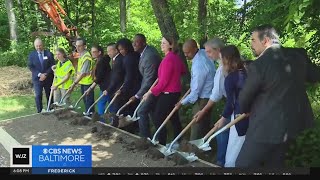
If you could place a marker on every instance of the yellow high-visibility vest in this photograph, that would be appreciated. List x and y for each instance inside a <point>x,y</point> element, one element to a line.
<point>87,79</point>
<point>61,72</point>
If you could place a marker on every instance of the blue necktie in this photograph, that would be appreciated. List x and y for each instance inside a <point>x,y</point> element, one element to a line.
<point>40,58</point>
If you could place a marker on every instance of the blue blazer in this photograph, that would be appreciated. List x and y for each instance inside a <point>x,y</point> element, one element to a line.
<point>36,68</point>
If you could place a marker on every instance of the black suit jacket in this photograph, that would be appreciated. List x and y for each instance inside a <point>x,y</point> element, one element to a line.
<point>36,68</point>
<point>275,94</point>
<point>132,76</point>
<point>117,75</point>
<point>103,72</point>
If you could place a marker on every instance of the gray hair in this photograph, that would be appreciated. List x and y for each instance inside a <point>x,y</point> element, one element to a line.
<point>215,43</point>
<point>38,40</point>
<point>269,31</point>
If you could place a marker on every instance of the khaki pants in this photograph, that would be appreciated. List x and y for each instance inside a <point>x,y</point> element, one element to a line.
<point>200,129</point>
<point>59,93</point>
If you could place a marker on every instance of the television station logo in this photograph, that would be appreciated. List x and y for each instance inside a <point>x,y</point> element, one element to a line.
<point>21,156</point>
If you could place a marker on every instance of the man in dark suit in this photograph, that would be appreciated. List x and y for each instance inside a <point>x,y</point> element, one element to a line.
<point>148,67</point>
<point>275,96</point>
<point>117,71</point>
<point>40,63</point>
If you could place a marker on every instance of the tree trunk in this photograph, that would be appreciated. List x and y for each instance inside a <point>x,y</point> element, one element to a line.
<point>123,16</point>
<point>164,18</point>
<point>202,20</point>
<point>93,18</point>
<point>12,20</point>
<point>244,11</point>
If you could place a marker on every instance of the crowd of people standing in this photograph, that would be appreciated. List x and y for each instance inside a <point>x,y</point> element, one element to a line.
<point>270,90</point>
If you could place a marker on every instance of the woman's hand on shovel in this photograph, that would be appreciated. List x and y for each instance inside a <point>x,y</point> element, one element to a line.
<point>146,95</point>
<point>133,99</point>
<point>105,92</point>
<point>221,122</point>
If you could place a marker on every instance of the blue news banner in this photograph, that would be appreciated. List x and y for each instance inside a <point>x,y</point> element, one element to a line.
<point>52,159</point>
<point>61,159</point>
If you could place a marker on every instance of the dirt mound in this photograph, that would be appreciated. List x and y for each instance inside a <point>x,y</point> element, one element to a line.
<point>15,80</point>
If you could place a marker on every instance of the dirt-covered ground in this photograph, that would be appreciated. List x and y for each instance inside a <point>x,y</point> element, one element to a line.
<point>15,80</point>
<point>111,147</point>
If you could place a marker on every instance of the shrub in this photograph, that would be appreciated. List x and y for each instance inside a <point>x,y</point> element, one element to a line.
<point>18,56</point>
<point>305,152</point>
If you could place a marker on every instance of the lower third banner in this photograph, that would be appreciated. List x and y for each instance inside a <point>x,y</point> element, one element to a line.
<point>61,159</point>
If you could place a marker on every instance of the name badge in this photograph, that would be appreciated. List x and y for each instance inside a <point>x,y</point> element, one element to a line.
<point>45,57</point>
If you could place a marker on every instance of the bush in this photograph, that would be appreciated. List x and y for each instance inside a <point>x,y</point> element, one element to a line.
<point>305,152</point>
<point>18,56</point>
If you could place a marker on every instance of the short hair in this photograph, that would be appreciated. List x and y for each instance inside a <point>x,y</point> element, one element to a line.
<point>143,37</point>
<point>112,44</point>
<point>38,39</point>
<point>126,44</point>
<point>267,30</point>
<point>215,43</point>
<point>83,41</point>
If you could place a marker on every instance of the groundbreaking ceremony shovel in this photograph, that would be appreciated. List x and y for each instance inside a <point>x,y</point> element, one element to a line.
<point>128,119</point>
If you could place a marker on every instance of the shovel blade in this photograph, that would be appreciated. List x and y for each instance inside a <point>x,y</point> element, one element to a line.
<point>87,113</point>
<point>205,147</point>
<point>47,112</point>
<point>125,121</point>
<point>165,151</point>
<point>154,142</point>
<point>59,104</point>
<point>197,142</point>
<point>189,156</point>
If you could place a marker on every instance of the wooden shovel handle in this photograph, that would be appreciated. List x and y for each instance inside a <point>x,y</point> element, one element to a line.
<point>50,98</point>
<point>210,132</point>
<point>188,126</point>
<point>95,102</point>
<point>125,105</point>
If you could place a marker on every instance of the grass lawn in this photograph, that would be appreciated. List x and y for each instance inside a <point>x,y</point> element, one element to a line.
<point>20,105</point>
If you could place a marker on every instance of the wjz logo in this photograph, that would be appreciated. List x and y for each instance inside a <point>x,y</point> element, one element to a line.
<point>20,156</point>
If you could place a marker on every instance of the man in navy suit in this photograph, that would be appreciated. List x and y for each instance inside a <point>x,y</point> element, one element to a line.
<point>40,63</point>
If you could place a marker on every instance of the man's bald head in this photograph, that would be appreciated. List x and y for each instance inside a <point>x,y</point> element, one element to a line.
<point>190,48</point>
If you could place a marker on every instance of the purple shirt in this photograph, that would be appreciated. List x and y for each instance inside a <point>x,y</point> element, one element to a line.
<point>169,74</point>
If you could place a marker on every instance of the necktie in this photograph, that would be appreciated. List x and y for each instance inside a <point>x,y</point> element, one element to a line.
<point>40,58</point>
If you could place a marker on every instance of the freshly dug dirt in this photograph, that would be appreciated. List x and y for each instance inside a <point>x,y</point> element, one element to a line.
<point>111,147</point>
<point>15,80</point>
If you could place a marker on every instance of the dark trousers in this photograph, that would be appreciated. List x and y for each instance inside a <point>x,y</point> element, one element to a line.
<point>38,87</point>
<point>144,113</point>
<point>255,154</point>
<point>163,107</point>
<point>88,99</point>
